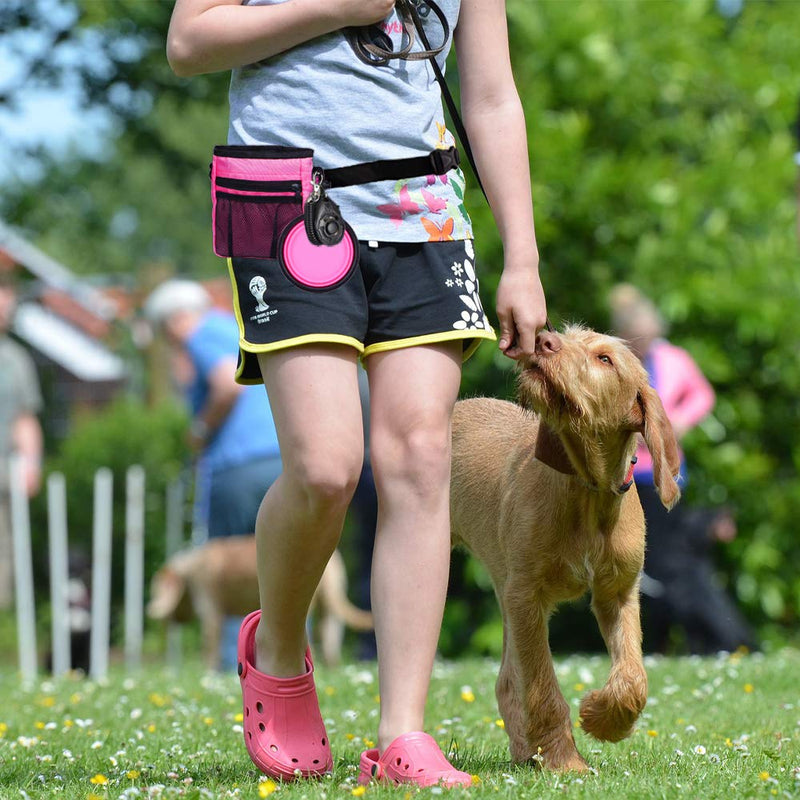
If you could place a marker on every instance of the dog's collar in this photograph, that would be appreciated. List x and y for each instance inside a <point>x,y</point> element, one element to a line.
<point>550,451</point>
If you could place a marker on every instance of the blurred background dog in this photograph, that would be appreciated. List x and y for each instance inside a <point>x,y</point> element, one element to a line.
<point>218,579</point>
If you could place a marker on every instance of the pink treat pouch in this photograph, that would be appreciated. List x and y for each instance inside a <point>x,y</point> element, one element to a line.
<point>256,191</point>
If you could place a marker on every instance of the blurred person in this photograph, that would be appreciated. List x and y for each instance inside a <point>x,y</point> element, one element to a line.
<point>231,431</point>
<point>679,586</point>
<point>20,431</point>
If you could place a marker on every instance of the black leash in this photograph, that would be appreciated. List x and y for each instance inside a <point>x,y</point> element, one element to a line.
<point>364,43</point>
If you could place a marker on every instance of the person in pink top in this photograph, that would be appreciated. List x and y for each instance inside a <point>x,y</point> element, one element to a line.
<point>679,586</point>
<point>684,391</point>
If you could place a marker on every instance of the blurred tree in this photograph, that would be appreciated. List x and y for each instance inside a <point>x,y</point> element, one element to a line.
<point>661,155</point>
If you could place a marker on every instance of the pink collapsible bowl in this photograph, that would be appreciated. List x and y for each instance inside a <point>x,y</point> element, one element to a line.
<point>316,266</point>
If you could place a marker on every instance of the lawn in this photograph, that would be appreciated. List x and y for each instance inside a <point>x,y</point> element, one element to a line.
<point>725,727</point>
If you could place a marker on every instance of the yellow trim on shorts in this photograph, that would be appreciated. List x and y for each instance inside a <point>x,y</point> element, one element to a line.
<point>434,338</point>
<point>283,344</point>
<point>235,291</point>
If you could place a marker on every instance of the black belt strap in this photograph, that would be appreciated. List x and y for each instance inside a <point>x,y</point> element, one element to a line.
<point>437,162</point>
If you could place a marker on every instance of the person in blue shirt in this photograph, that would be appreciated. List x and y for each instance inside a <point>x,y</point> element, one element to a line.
<point>232,430</point>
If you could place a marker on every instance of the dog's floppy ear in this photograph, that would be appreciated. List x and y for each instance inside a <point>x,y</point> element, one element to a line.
<point>169,597</point>
<point>651,421</point>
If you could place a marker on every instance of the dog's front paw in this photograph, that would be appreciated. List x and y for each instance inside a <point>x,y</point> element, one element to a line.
<point>607,717</point>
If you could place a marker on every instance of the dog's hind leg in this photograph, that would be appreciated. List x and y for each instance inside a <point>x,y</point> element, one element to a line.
<point>609,714</point>
<point>548,727</point>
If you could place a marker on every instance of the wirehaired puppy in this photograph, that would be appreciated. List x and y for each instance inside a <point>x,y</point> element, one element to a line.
<point>542,494</point>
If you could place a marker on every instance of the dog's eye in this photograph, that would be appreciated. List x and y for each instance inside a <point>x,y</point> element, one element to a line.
<point>604,358</point>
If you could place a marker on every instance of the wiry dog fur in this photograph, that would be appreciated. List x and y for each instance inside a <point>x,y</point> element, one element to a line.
<point>219,579</point>
<point>537,495</point>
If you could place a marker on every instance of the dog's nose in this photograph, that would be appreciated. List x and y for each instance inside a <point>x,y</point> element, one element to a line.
<point>547,342</point>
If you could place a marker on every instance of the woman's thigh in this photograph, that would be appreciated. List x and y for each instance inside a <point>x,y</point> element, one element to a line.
<point>412,392</point>
<point>313,394</point>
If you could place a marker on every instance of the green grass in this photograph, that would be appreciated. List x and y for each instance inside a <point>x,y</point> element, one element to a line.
<point>726,727</point>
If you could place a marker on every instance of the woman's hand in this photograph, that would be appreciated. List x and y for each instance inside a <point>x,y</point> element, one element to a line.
<point>356,13</point>
<point>521,306</point>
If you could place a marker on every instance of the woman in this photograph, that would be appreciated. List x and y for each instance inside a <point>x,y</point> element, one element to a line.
<point>297,82</point>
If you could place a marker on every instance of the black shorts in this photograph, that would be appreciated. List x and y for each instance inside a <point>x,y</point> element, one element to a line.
<point>400,294</point>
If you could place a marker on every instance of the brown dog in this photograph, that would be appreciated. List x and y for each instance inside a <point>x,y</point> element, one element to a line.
<point>540,496</point>
<point>219,579</point>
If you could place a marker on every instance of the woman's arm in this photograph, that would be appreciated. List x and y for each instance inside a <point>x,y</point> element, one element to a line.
<point>496,126</point>
<point>215,35</point>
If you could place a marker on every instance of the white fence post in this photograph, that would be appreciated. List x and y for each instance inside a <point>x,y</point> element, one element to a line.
<point>23,572</point>
<point>134,566</point>
<point>176,497</point>
<point>101,573</point>
<point>59,572</point>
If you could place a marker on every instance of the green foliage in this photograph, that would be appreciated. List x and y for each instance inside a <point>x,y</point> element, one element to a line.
<point>661,154</point>
<point>124,434</point>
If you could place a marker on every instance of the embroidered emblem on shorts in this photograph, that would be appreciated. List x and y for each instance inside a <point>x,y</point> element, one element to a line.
<point>258,288</point>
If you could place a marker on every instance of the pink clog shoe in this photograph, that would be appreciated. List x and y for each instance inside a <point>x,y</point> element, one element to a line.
<point>411,758</point>
<point>283,728</point>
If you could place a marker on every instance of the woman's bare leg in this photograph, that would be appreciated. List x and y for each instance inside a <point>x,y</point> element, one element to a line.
<point>313,393</point>
<point>412,393</point>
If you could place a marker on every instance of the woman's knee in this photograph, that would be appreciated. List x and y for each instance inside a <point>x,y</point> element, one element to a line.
<point>419,455</point>
<point>327,480</point>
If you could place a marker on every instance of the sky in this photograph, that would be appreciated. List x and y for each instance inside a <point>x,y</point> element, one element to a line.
<point>46,116</point>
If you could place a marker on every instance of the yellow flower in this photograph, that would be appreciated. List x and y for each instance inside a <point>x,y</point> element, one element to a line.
<point>151,728</point>
<point>500,723</point>
<point>93,796</point>
<point>157,699</point>
<point>350,736</point>
<point>476,779</point>
<point>330,691</point>
<point>579,687</point>
<point>239,717</point>
<point>467,695</point>
<point>132,774</point>
<point>266,788</point>
<point>748,687</point>
<point>652,733</point>
<point>368,742</point>
<point>39,725</point>
<point>764,776</point>
<point>359,790</point>
<point>47,701</point>
<point>68,723</point>
<point>208,720</point>
<point>99,780</point>
<point>3,729</point>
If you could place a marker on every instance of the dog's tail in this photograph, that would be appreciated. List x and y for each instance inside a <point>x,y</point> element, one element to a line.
<point>333,593</point>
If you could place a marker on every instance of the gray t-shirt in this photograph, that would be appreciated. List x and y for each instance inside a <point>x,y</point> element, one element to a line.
<point>19,393</point>
<point>320,95</point>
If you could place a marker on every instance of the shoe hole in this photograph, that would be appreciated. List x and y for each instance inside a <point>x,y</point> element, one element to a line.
<point>323,741</point>
<point>249,735</point>
<point>405,767</point>
<point>247,712</point>
<point>274,748</point>
<point>261,727</point>
<point>294,760</point>
<point>315,761</point>
<point>259,707</point>
<point>398,762</point>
